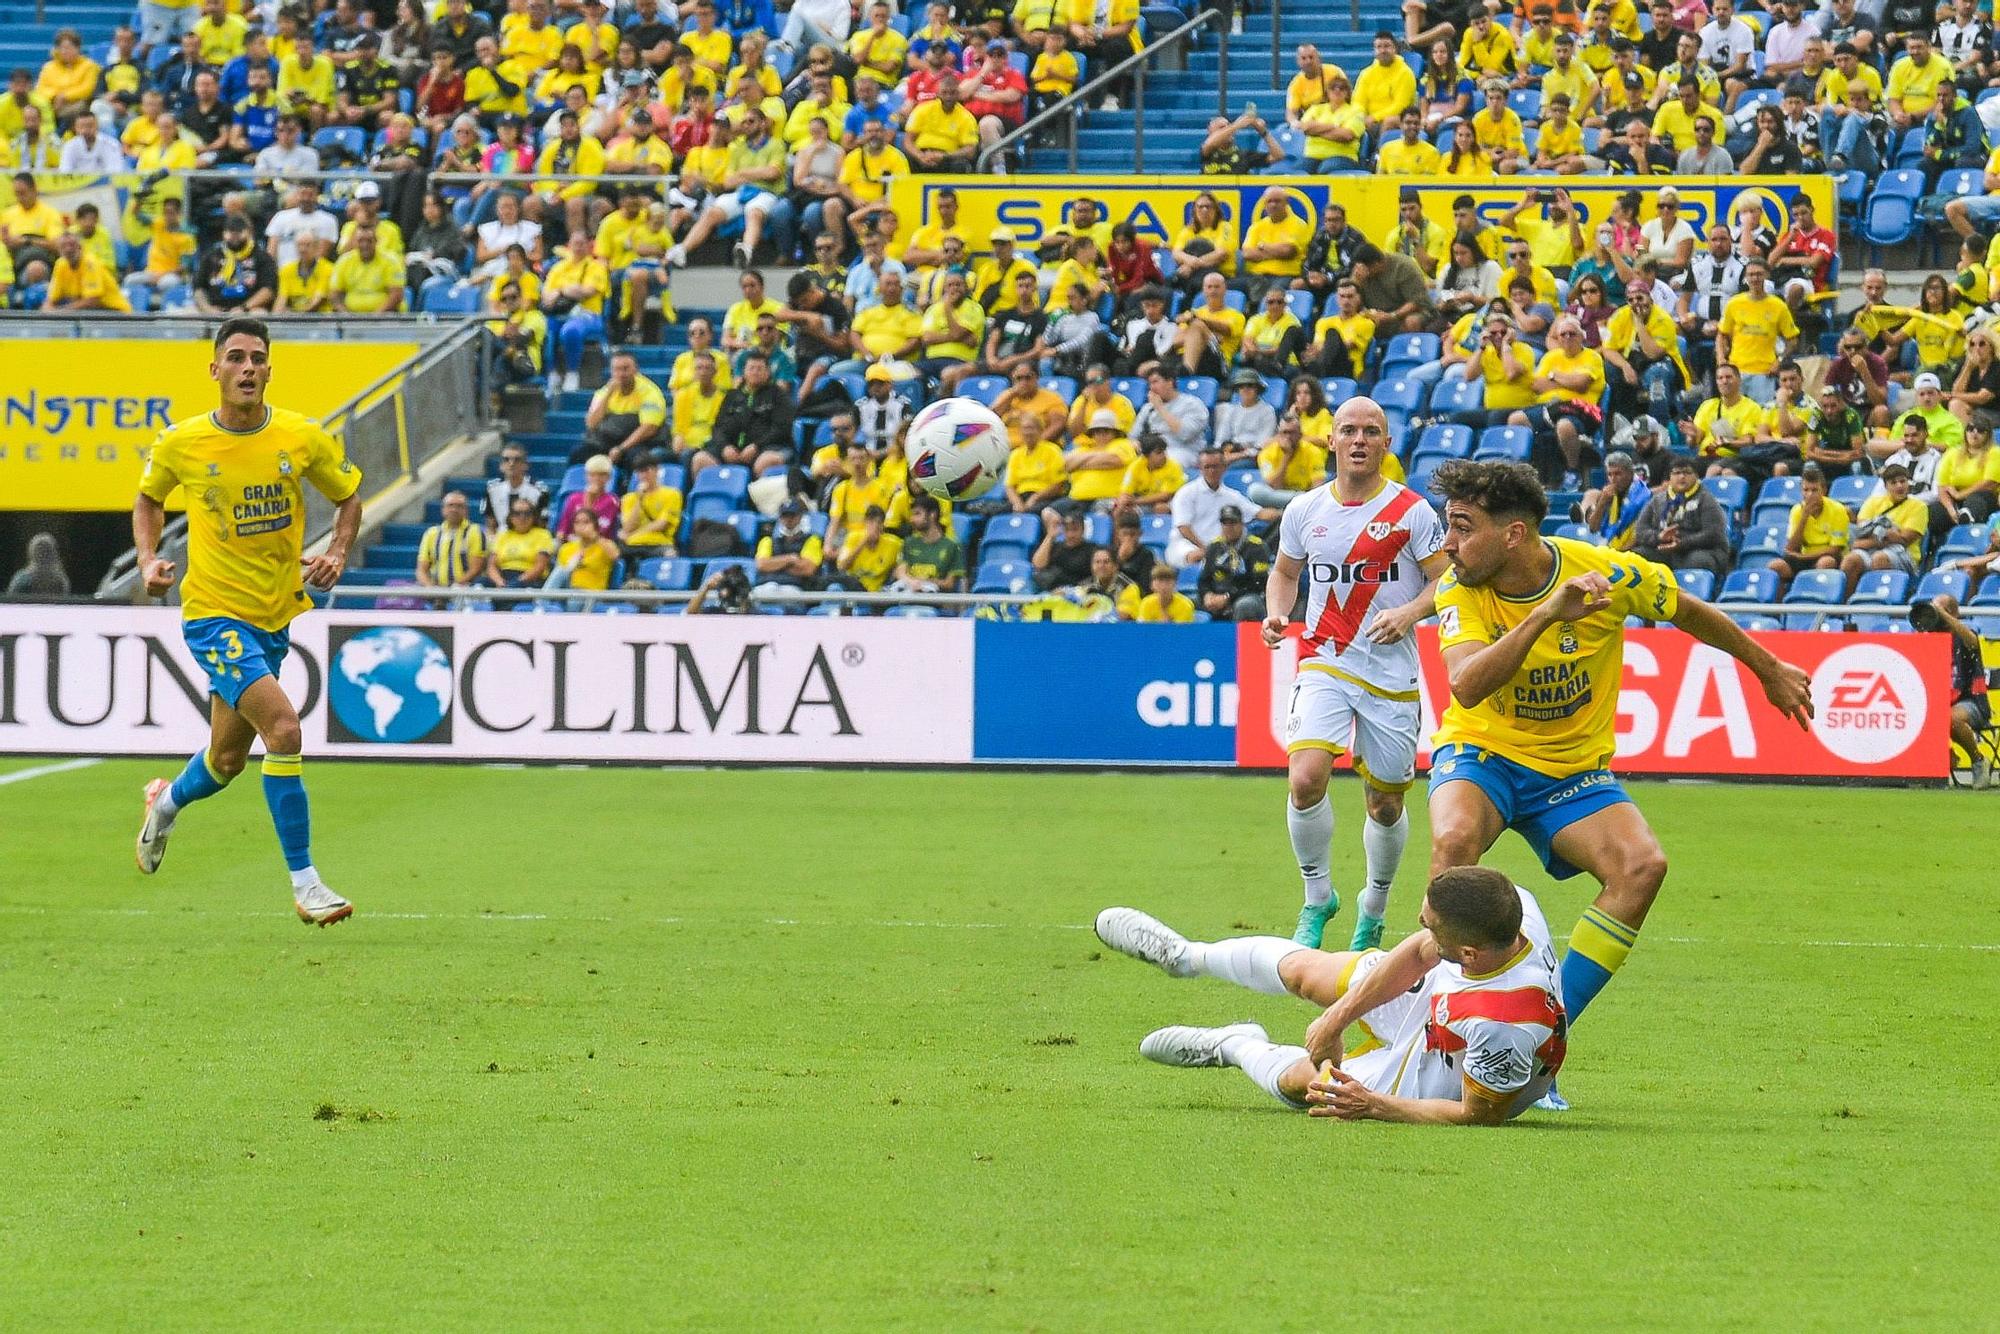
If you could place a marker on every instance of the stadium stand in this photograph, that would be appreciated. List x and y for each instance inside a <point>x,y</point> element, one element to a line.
<point>557,168</point>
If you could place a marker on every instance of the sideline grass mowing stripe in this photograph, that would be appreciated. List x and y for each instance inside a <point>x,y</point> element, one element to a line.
<point>781,1107</point>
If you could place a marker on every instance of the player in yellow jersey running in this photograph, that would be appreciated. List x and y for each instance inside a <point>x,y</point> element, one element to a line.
<point>1532,631</point>
<point>242,469</point>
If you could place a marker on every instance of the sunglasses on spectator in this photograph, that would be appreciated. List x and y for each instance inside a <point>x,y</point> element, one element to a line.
<point>1025,376</point>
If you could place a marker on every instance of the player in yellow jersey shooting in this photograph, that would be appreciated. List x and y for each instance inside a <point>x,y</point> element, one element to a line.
<point>1532,631</point>
<point>242,469</point>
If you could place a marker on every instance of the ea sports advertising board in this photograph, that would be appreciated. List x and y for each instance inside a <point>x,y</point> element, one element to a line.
<point>484,686</point>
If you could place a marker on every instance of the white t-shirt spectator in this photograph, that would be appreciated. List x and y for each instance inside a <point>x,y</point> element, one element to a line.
<point>1693,162</point>
<point>1249,427</point>
<point>1722,47</point>
<point>274,162</point>
<point>103,155</point>
<point>1785,43</point>
<point>1665,247</point>
<point>291,223</point>
<point>1183,445</point>
<point>1198,507</point>
<point>496,236</point>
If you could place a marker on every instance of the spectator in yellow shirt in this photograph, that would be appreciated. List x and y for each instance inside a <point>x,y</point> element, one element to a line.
<point>878,48</point>
<point>941,135</point>
<point>1888,534</point>
<point>570,153</point>
<point>574,290</point>
<point>1496,128</point>
<point>1915,81</point>
<point>1816,534</point>
<point>305,285</point>
<point>1288,465</point>
<point>221,33</point>
<point>1097,465</point>
<point>69,79</point>
<point>1386,88</point>
<point>1164,604</point>
<point>1756,329</point>
<point>79,282</point>
<point>306,83</point>
<point>534,44</point>
<point>696,406</point>
<point>1336,130</point>
<point>1410,154</point>
<point>367,280</point>
<point>1274,247</point>
<point>453,552</point>
<point>1308,86</point>
<point>1571,78</point>
<point>1152,478</point>
<point>1210,331</point>
<point>168,249</point>
<point>649,515</point>
<point>1487,49</point>
<point>869,553</point>
<point>1035,477</point>
<point>1054,73</point>
<point>1569,382</point>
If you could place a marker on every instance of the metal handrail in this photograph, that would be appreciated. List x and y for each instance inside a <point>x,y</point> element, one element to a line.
<point>457,597</point>
<point>131,177</point>
<point>1068,105</point>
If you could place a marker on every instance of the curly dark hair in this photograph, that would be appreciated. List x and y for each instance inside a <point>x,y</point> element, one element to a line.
<point>1504,490</point>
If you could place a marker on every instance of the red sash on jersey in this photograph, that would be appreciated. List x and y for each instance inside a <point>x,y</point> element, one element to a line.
<point>1524,1005</point>
<point>1340,621</point>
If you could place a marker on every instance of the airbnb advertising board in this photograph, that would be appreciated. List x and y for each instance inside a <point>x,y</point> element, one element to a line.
<point>1882,706</point>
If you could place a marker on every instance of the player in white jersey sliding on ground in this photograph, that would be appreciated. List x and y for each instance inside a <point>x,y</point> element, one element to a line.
<point>1460,1024</point>
<point>1370,549</point>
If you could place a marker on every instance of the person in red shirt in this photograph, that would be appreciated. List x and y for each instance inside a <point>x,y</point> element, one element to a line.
<point>1802,256</point>
<point>1133,268</point>
<point>922,85</point>
<point>996,94</point>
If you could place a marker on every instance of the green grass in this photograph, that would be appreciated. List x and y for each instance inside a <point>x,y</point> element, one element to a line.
<point>830,1050</point>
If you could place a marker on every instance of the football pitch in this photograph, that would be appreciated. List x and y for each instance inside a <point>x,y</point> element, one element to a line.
<point>621,1048</point>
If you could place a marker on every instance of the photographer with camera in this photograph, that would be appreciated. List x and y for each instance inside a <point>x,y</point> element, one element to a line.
<point>1971,705</point>
<point>729,586</point>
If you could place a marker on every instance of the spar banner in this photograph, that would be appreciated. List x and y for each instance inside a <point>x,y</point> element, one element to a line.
<point>1882,706</point>
<point>495,686</point>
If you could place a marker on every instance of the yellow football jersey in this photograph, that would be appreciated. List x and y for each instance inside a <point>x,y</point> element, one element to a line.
<point>1559,713</point>
<point>246,510</point>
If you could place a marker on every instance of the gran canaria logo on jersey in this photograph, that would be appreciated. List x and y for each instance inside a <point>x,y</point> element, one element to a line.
<point>265,508</point>
<point>1552,692</point>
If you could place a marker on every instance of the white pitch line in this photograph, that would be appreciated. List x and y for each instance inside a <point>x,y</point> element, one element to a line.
<point>44,770</point>
<point>1976,947</point>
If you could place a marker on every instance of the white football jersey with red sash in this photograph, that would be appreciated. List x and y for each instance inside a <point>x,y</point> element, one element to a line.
<point>1360,559</point>
<point>1503,1030</point>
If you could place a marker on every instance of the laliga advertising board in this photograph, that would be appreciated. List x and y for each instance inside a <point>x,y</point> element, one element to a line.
<point>485,686</point>
<point>1881,703</point>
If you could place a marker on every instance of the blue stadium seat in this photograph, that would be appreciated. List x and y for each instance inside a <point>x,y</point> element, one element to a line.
<point>1732,493</point>
<point>1697,583</point>
<point>1576,532</point>
<point>1420,468</point>
<point>1851,490</point>
<point>1890,215</point>
<point>1235,300</point>
<point>1398,396</point>
<point>1910,148</point>
<point>1779,490</point>
<point>707,505</point>
<point>1819,588</point>
<point>1758,622</point>
<point>911,611</point>
<point>1750,586</point>
<point>1010,537</point>
<point>983,388</point>
<point>1967,539</point>
<point>1955,582</point>
<point>1881,588</point>
<point>1156,529</point>
<point>745,523</point>
<point>1097,528</point>
<point>1065,387</point>
<point>1276,390</point>
<point>1201,387</point>
<point>743,563</point>
<point>1771,511</point>
<point>1988,594</point>
<point>669,572</point>
<point>1455,393</point>
<point>1526,103</point>
<point>1004,576</point>
<point>1132,386</point>
<point>729,480</point>
<point>1241,475</point>
<point>1338,388</point>
<point>1450,440</point>
<point>1410,349</point>
<point>1505,442</point>
<point>1188,579</point>
<point>340,139</point>
<point>1300,303</point>
<point>1851,189</point>
<point>1763,539</point>
<point>1878,625</point>
<point>1957,183</point>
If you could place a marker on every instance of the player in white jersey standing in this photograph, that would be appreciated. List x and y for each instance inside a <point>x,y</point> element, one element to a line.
<point>1460,1024</point>
<point>1370,548</point>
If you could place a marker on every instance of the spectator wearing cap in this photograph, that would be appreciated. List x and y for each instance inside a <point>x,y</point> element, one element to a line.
<point>1197,509</point>
<point>1065,554</point>
<point>791,553</point>
<point>453,552</point>
<point>1233,571</point>
<point>235,274</point>
<point>1625,90</point>
<point>649,515</point>
<point>1164,603</point>
<point>930,561</point>
<point>995,277</point>
<point>996,96</point>
<point>1888,533</point>
<point>364,209</point>
<point>1611,512</point>
<point>1178,418</point>
<point>1097,461</point>
<point>1036,477</point>
<point>366,89</point>
<point>1683,526</point>
<point>880,414</point>
<point>1148,336</point>
<point>1151,479</point>
<point>1244,420</point>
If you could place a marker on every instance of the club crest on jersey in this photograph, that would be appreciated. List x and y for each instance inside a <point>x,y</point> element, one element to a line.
<point>215,470</point>
<point>1566,638</point>
<point>284,464</point>
<point>1379,530</point>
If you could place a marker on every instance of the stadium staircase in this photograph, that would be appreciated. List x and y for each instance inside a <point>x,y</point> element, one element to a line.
<point>1179,102</point>
<point>25,43</point>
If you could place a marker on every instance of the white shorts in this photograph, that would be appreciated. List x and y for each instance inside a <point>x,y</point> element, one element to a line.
<point>1389,1034</point>
<point>1333,713</point>
<point>730,204</point>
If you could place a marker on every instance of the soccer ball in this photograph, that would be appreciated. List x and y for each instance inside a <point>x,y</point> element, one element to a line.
<point>957,449</point>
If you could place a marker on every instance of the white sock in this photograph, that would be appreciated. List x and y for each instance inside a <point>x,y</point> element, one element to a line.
<point>1383,844</point>
<point>1264,1062</point>
<point>1248,961</point>
<point>1312,842</point>
<point>164,806</point>
<point>304,880</point>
